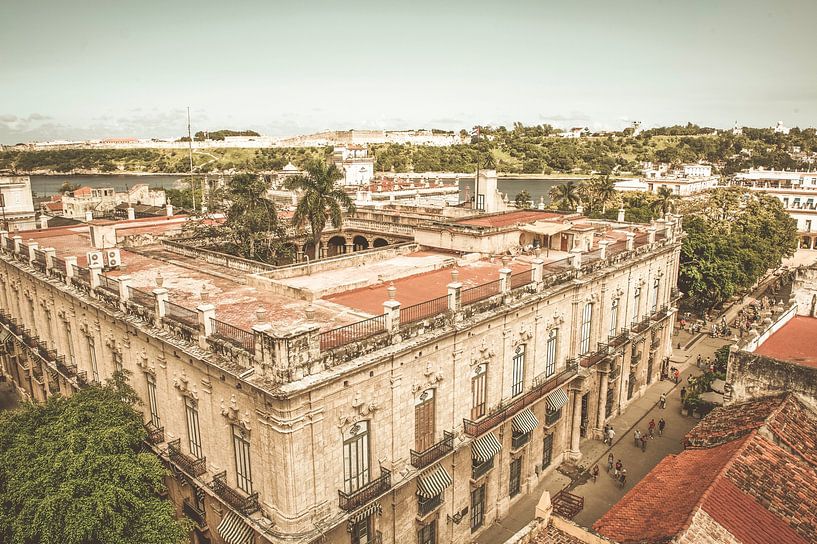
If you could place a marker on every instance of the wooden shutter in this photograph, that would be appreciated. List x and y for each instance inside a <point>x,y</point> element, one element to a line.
<point>424,424</point>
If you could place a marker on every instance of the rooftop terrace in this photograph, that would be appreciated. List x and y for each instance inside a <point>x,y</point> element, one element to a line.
<point>796,342</point>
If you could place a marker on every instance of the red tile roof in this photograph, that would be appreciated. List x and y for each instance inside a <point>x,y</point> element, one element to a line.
<point>752,467</point>
<point>661,505</point>
<point>793,342</point>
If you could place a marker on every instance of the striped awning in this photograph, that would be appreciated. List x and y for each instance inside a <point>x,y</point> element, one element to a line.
<point>556,400</point>
<point>524,422</point>
<point>485,447</point>
<point>365,512</point>
<point>432,482</point>
<point>4,335</point>
<point>233,530</point>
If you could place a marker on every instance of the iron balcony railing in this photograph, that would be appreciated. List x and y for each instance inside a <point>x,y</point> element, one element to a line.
<point>194,513</point>
<point>619,339</point>
<point>478,471</point>
<point>142,298</point>
<point>613,374</point>
<point>552,417</point>
<point>479,292</point>
<point>424,310</point>
<point>477,428</point>
<point>435,452</point>
<point>240,501</point>
<point>521,279</point>
<point>425,507</point>
<point>640,326</point>
<point>180,314</point>
<point>353,332</point>
<point>233,335</point>
<point>367,493</point>
<point>109,284</point>
<point>156,435</point>
<point>189,464</point>
<point>661,313</point>
<point>519,440</point>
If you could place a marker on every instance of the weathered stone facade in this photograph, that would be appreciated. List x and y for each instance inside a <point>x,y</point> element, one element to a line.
<point>296,403</point>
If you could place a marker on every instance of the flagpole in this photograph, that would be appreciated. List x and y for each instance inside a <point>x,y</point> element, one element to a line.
<point>476,179</point>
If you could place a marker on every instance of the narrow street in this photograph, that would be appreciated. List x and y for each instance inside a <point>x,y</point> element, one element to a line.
<point>599,496</point>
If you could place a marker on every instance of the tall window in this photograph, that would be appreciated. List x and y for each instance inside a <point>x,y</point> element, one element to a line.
<point>518,371</point>
<point>550,352</point>
<point>361,531</point>
<point>516,476</point>
<point>92,356</point>
<point>636,303</point>
<point>547,450</point>
<point>613,317</point>
<point>656,285</point>
<point>117,360</point>
<point>424,420</point>
<point>478,383</point>
<point>427,534</point>
<point>192,411</point>
<point>154,408</point>
<point>587,318</point>
<point>356,457</point>
<point>477,507</point>
<point>241,447</point>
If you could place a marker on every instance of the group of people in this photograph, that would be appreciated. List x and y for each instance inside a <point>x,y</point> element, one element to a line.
<point>641,437</point>
<point>615,469</point>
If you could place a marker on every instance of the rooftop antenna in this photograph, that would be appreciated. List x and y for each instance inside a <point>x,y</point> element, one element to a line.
<point>190,149</point>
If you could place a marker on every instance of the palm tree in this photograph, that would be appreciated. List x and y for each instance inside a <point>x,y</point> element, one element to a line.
<point>604,190</point>
<point>321,199</point>
<point>252,220</point>
<point>666,201</point>
<point>565,196</point>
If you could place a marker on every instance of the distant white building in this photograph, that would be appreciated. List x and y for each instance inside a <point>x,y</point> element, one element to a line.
<point>355,163</point>
<point>736,130</point>
<point>697,170</point>
<point>686,180</point>
<point>16,203</point>
<point>575,132</point>
<point>780,129</point>
<point>101,200</point>
<point>797,191</point>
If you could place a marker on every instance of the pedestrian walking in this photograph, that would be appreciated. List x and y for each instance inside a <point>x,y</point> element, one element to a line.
<point>661,425</point>
<point>683,394</point>
<point>622,479</point>
<point>677,376</point>
<point>611,434</point>
<point>610,462</point>
<point>619,466</point>
<point>637,438</point>
<point>595,473</point>
<point>604,433</point>
<point>643,443</point>
<point>662,401</point>
<point>651,428</point>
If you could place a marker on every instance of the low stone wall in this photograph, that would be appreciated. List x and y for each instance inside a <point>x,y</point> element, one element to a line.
<point>750,376</point>
<point>349,260</point>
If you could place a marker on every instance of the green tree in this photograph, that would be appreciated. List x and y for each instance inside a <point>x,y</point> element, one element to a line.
<point>666,201</point>
<point>603,191</point>
<point>72,471</point>
<point>733,237</point>
<point>252,223</point>
<point>566,195</point>
<point>67,187</point>
<point>522,200</point>
<point>321,199</point>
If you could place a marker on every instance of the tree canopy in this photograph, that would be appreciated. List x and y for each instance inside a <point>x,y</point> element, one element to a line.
<point>72,471</point>
<point>733,237</point>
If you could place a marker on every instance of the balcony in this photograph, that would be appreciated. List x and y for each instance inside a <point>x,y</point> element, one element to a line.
<point>674,293</point>
<point>519,440</point>
<point>367,493</point>
<point>613,374</point>
<point>552,417</point>
<point>238,500</point>
<point>619,339</point>
<point>191,511</point>
<point>478,471</point>
<point>156,435</point>
<point>592,358</point>
<point>640,326</point>
<point>435,452</point>
<point>539,390</point>
<point>189,464</point>
<point>426,507</point>
<point>661,313</point>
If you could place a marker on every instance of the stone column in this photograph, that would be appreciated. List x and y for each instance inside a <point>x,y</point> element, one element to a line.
<point>160,295</point>
<point>392,310</point>
<point>454,302</point>
<point>50,254</point>
<point>505,280</point>
<point>32,247</point>
<point>124,287</point>
<point>17,241</point>
<point>131,214</point>
<point>575,454</point>
<point>70,263</point>
<point>576,256</point>
<point>603,249</point>
<point>538,270</point>
<point>350,248</point>
<point>206,312</point>
<point>651,234</point>
<point>630,241</point>
<point>94,271</point>
<point>603,386</point>
<point>620,217</point>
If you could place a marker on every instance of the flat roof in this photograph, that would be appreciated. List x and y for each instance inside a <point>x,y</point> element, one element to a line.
<point>510,218</point>
<point>793,342</point>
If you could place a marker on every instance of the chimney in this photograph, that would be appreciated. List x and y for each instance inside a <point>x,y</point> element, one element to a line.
<point>131,214</point>
<point>43,222</point>
<point>103,234</point>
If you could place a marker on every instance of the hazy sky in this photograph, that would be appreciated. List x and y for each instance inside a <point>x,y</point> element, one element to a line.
<point>88,68</point>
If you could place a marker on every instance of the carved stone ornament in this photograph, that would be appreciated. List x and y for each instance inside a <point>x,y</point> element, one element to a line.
<point>525,334</point>
<point>144,363</point>
<point>482,354</point>
<point>618,293</point>
<point>83,328</point>
<point>182,383</point>
<point>555,320</point>
<point>231,412</point>
<point>591,297</point>
<point>432,377</point>
<point>362,410</point>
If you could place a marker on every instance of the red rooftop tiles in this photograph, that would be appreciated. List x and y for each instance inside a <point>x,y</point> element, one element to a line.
<point>794,342</point>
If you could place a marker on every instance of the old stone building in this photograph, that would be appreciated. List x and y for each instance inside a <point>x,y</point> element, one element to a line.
<point>418,404</point>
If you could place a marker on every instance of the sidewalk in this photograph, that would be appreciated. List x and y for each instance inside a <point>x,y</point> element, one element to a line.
<point>600,496</point>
